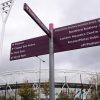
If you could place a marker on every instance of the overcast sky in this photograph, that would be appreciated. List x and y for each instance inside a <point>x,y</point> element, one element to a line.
<point>20,27</point>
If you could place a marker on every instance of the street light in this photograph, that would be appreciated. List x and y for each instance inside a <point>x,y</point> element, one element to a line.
<point>5,11</point>
<point>39,96</point>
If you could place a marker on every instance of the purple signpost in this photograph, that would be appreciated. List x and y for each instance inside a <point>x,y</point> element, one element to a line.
<point>76,36</point>
<point>51,53</point>
<point>36,19</point>
<point>29,48</point>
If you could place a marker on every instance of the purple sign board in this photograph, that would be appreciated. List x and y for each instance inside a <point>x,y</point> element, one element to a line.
<point>76,36</point>
<point>29,48</point>
<point>36,19</point>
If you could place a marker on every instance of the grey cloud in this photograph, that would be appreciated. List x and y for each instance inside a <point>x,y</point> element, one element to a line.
<point>61,12</point>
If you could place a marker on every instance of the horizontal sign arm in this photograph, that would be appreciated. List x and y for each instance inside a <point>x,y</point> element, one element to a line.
<point>36,19</point>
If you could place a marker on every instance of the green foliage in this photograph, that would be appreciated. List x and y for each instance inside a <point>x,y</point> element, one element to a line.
<point>63,96</point>
<point>67,96</point>
<point>11,98</point>
<point>77,98</point>
<point>8,98</point>
<point>95,95</point>
<point>99,91</point>
<point>45,89</point>
<point>27,92</point>
<point>2,97</point>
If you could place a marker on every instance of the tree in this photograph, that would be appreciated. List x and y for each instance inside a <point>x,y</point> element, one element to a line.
<point>95,91</point>
<point>11,98</point>
<point>27,92</point>
<point>67,96</point>
<point>45,89</point>
<point>63,96</point>
<point>2,97</point>
<point>8,98</point>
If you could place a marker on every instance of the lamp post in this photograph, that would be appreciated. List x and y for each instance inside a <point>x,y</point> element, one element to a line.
<point>5,11</point>
<point>41,60</point>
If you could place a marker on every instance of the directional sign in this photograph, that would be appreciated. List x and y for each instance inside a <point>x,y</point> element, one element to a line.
<point>36,19</point>
<point>81,35</point>
<point>76,36</point>
<point>29,48</point>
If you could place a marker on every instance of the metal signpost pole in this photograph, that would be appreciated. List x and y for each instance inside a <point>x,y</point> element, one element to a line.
<point>51,65</point>
<point>51,53</point>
